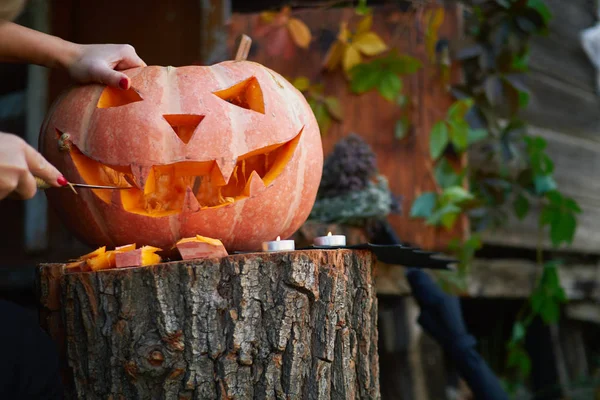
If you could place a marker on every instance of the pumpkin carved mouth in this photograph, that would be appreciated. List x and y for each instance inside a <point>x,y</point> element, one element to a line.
<point>191,186</point>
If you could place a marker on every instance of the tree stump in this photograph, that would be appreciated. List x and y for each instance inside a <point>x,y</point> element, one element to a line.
<point>290,325</point>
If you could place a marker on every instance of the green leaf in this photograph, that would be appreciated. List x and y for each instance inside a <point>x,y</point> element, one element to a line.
<point>301,83</point>
<point>445,175</point>
<point>402,64</point>
<point>363,78</point>
<point>563,229</point>
<point>572,205</point>
<point>518,358</point>
<point>437,217</point>
<point>544,183</point>
<point>334,108</point>
<point>521,62</point>
<point>402,128</point>
<point>361,8</point>
<point>541,8</point>
<point>518,332</point>
<point>423,206</point>
<point>459,109</point>
<point>550,312</point>
<point>476,135</point>
<point>438,139</point>
<point>449,219</point>
<point>459,134</point>
<point>389,86</point>
<point>523,99</point>
<point>322,117</point>
<point>456,194</point>
<point>521,206</point>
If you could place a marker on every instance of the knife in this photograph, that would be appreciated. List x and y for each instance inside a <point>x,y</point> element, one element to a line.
<point>41,184</point>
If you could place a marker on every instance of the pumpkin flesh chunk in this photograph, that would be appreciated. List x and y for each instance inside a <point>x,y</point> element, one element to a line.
<point>165,188</point>
<point>120,257</point>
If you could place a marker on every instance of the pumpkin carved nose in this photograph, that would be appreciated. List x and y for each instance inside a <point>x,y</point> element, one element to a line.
<point>184,125</point>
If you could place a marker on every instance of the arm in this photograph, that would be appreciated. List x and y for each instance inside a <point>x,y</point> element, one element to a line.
<point>85,63</point>
<point>21,44</point>
<point>102,63</point>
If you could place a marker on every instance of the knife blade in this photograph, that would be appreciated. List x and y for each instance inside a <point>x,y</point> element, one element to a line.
<point>41,184</point>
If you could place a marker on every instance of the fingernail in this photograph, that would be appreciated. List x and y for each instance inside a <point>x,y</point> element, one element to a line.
<point>62,181</point>
<point>123,83</point>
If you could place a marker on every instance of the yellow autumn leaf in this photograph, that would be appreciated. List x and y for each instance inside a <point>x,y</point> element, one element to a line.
<point>334,55</point>
<point>369,44</point>
<point>268,16</point>
<point>434,21</point>
<point>300,32</point>
<point>365,24</point>
<point>437,20</point>
<point>344,33</point>
<point>351,58</point>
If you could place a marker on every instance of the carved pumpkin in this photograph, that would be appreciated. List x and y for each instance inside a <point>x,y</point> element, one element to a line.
<point>230,151</point>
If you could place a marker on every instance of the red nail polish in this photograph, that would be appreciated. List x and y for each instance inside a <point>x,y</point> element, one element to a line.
<point>123,83</point>
<point>62,181</point>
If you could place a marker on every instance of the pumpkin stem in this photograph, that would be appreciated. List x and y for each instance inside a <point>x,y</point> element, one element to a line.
<point>243,48</point>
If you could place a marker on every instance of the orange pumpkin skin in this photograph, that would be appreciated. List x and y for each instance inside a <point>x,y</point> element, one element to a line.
<point>143,136</point>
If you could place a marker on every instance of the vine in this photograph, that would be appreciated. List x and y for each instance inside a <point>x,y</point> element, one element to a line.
<point>517,172</point>
<point>509,170</point>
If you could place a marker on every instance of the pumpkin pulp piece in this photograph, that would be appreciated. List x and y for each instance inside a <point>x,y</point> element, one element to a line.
<point>200,247</point>
<point>140,257</point>
<point>166,185</point>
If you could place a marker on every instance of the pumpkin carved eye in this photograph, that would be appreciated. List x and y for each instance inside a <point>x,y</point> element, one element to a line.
<point>184,125</point>
<point>112,97</point>
<point>246,94</point>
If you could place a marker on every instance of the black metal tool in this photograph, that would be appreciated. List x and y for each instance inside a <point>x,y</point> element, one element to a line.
<point>400,254</point>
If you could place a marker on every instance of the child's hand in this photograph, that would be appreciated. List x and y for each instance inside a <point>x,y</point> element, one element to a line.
<point>19,163</point>
<point>102,62</point>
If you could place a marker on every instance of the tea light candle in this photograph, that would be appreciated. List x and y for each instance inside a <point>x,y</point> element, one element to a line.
<point>279,245</point>
<point>330,240</point>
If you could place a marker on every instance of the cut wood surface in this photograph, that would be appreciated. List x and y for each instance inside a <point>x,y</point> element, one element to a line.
<point>298,325</point>
<point>406,163</point>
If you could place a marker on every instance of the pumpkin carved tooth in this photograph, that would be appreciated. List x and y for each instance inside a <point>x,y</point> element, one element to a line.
<point>254,186</point>
<point>222,171</point>
<point>190,202</point>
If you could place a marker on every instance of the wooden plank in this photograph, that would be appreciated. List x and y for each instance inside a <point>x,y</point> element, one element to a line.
<point>576,173</point>
<point>502,278</point>
<point>406,163</point>
<point>563,79</point>
<point>562,107</point>
<point>563,60</point>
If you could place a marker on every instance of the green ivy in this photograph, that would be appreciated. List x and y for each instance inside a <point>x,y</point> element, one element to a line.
<point>384,75</point>
<point>518,175</point>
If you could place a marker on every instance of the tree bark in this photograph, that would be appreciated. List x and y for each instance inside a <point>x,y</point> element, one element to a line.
<point>293,325</point>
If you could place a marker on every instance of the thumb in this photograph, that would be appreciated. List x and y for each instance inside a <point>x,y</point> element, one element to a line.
<point>114,78</point>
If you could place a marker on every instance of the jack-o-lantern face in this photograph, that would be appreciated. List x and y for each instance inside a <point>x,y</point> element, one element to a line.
<point>231,151</point>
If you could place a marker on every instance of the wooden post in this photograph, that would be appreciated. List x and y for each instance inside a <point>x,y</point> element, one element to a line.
<point>293,325</point>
